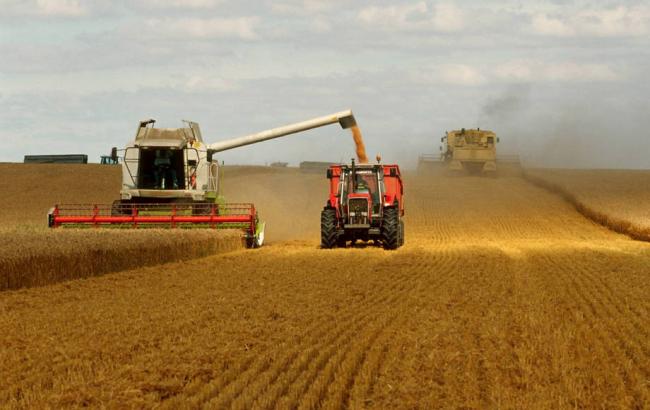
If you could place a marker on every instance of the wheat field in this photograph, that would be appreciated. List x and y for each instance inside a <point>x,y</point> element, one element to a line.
<point>38,257</point>
<point>617,199</point>
<point>33,255</point>
<point>503,297</point>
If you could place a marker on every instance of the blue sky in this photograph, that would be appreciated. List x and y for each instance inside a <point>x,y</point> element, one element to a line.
<point>562,82</point>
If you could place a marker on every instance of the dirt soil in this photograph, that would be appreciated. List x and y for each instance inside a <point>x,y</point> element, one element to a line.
<point>503,297</point>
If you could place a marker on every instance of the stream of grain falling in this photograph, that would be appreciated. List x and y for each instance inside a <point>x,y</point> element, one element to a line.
<point>361,148</point>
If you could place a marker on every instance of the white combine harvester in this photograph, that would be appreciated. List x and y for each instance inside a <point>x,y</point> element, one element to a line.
<point>170,178</point>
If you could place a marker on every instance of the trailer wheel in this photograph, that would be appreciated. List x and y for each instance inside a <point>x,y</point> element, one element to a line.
<point>390,230</point>
<point>328,234</point>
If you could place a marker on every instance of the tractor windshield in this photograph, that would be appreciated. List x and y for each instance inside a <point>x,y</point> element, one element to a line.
<point>366,182</point>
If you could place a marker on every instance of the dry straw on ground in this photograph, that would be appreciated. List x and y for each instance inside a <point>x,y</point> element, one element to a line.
<point>38,257</point>
<point>503,297</point>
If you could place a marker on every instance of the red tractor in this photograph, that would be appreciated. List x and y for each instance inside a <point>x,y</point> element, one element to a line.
<point>365,203</point>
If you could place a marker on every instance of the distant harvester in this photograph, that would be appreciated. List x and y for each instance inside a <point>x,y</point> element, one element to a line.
<point>56,159</point>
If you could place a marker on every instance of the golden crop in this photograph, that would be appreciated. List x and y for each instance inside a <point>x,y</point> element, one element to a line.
<point>36,257</point>
<point>617,199</point>
<point>503,297</point>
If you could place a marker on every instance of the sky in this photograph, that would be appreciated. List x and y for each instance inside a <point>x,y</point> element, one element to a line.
<point>563,83</point>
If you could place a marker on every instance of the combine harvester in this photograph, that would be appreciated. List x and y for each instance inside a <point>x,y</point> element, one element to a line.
<point>171,179</point>
<point>472,150</point>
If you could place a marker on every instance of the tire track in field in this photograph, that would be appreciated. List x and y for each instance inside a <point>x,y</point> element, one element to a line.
<point>633,348</point>
<point>327,350</point>
<point>252,367</point>
<point>325,384</point>
<point>319,351</point>
<point>386,351</point>
<point>620,302</point>
<point>223,391</point>
<point>236,387</point>
<point>608,341</point>
<point>594,297</point>
<point>361,381</point>
<point>321,380</point>
<point>246,398</point>
<point>428,332</point>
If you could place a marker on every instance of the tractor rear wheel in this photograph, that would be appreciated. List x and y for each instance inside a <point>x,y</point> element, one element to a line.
<point>328,234</point>
<point>390,229</point>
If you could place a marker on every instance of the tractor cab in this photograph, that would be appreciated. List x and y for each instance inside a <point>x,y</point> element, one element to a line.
<point>362,190</point>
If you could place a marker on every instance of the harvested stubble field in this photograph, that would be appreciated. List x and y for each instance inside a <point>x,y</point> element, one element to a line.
<point>617,199</point>
<point>503,297</point>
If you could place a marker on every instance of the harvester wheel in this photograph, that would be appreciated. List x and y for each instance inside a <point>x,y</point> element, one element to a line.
<point>401,232</point>
<point>390,230</point>
<point>328,234</point>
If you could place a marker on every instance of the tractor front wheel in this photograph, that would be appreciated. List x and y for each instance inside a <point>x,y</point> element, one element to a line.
<point>390,230</point>
<point>328,234</point>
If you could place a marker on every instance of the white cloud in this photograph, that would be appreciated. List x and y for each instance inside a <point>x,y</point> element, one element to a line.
<point>448,17</point>
<point>239,27</point>
<point>450,74</point>
<point>413,17</point>
<point>207,83</point>
<point>398,16</point>
<point>578,72</point>
<point>307,7</point>
<point>321,25</point>
<point>538,71</point>
<point>461,74</point>
<point>60,7</point>
<point>193,4</point>
<point>514,71</point>
<point>619,21</point>
<point>63,8</point>
<point>543,24</point>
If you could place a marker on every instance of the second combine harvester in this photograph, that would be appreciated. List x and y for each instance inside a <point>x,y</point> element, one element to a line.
<point>170,178</point>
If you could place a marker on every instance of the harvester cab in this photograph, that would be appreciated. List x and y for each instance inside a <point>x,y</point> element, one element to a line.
<point>365,203</point>
<point>470,149</point>
<point>171,178</point>
<point>168,165</point>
